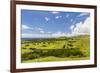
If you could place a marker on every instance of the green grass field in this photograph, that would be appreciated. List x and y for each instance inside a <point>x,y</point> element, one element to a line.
<point>55,49</point>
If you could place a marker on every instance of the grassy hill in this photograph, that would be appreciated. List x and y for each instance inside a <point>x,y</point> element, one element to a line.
<point>56,49</point>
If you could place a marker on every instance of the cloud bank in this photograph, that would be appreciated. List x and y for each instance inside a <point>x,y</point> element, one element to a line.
<point>81,28</point>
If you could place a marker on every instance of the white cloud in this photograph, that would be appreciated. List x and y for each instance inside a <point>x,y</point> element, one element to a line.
<point>25,27</point>
<point>83,14</point>
<point>27,35</point>
<point>37,28</point>
<point>57,17</point>
<point>81,28</point>
<point>35,35</point>
<point>55,12</point>
<point>41,31</point>
<point>71,27</point>
<point>47,19</point>
<point>58,34</point>
<point>40,35</point>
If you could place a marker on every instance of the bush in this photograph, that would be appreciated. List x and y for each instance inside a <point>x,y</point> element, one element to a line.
<point>43,45</point>
<point>26,45</point>
<point>64,46</point>
<point>37,53</point>
<point>24,56</point>
<point>33,56</point>
<point>32,48</point>
<point>23,48</point>
<point>27,56</point>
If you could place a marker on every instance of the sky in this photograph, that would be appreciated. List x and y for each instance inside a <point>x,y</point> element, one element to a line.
<point>43,24</point>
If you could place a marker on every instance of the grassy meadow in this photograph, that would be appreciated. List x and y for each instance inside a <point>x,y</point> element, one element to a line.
<point>55,49</point>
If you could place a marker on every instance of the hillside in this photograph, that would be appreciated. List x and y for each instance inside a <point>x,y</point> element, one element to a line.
<point>53,49</point>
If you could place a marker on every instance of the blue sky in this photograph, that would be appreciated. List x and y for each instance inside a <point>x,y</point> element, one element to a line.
<point>53,23</point>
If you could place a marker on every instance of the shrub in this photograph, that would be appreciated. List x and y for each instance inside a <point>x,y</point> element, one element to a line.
<point>23,48</point>
<point>24,56</point>
<point>43,45</point>
<point>26,45</point>
<point>64,46</point>
<point>37,53</point>
<point>32,48</point>
<point>33,56</point>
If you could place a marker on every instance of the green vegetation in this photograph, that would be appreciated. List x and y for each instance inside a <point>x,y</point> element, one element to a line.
<point>55,49</point>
